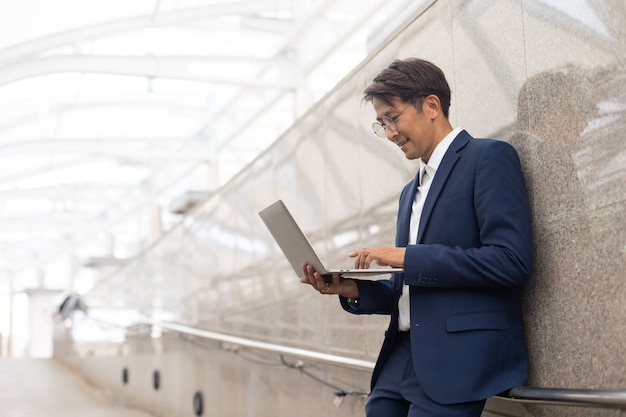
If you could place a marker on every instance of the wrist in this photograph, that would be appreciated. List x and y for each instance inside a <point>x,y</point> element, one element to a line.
<point>350,290</point>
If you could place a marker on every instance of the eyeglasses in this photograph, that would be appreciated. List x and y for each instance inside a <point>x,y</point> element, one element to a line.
<point>380,128</point>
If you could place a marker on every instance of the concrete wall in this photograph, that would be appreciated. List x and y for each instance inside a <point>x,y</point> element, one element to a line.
<point>547,76</point>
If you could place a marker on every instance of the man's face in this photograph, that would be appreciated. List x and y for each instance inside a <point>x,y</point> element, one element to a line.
<point>412,131</point>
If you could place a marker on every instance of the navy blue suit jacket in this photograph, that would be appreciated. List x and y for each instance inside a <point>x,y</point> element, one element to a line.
<point>473,253</point>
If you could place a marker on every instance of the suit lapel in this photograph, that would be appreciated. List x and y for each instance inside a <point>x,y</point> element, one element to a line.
<point>404,213</point>
<point>441,176</point>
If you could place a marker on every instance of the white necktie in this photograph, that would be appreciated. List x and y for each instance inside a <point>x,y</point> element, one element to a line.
<point>418,204</point>
<point>425,177</point>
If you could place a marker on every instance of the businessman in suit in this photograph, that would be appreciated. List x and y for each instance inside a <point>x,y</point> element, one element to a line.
<point>455,336</point>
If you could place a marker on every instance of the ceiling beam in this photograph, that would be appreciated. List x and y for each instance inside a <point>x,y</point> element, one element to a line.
<point>171,67</point>
<point>161,19</point>
<point>103,148</point>
<point>105,194</point>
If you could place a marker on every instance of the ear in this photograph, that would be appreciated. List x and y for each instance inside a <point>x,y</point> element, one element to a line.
<point>432,106</point>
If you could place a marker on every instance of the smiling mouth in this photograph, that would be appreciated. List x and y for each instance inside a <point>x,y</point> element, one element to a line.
<point>402,143</point>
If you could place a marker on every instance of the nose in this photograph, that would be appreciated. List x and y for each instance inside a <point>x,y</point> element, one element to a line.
<point>391,134</point>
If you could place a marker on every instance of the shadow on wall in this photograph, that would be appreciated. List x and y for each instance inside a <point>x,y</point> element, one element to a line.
<point>571,138</point>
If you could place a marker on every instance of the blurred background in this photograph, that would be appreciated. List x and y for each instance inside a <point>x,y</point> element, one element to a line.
<point>117,117</point>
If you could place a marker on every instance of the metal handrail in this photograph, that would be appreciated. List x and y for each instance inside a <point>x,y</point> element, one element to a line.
<point>549,396</point>
<point>562,396</point>
<point>270,347</point>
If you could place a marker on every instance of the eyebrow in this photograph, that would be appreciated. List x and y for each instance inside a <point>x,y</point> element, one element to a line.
<point>386,114</point>
<point>389,110</point>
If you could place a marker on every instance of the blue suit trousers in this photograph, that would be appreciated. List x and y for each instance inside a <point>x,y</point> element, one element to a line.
<point>398,394</point>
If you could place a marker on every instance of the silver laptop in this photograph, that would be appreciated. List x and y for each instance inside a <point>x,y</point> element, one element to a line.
<point>297,248</point>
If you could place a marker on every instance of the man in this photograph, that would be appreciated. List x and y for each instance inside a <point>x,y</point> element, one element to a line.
<point>464,240</point>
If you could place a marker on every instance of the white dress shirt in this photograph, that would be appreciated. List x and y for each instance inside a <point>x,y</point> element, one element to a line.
<point>427,173</point>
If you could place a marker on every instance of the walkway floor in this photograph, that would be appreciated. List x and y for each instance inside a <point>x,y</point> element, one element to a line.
<point>46,388</point>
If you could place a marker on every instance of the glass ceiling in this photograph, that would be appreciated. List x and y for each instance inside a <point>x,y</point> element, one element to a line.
<point>112,112</point>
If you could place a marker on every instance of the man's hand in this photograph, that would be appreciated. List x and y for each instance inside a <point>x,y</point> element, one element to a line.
<point>338,285</point>
<point>383,256</point>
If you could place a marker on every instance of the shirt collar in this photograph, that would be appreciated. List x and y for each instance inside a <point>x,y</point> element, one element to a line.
<point>439,152</point>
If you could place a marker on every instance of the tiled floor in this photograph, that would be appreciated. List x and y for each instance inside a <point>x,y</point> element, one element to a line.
<point>46,388</point>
